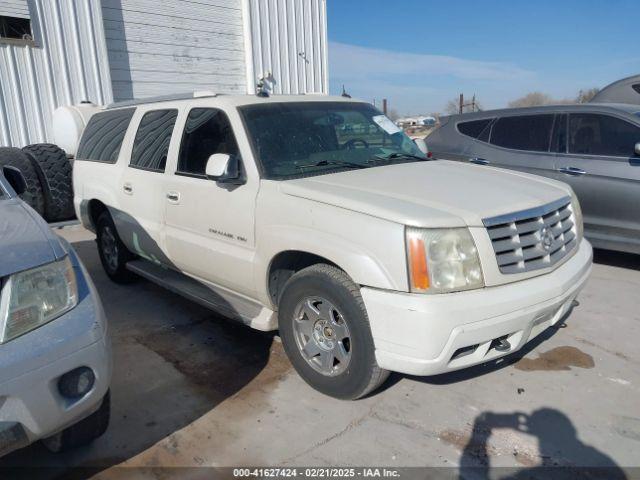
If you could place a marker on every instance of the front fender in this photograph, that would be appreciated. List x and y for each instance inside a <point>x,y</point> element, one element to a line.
<point>373,255</point>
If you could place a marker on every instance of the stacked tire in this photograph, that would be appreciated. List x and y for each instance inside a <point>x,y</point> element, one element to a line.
<point>48,175</point>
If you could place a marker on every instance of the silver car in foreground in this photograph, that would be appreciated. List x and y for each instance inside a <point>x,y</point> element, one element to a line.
<point>593,147</point>
<point>55,355</point>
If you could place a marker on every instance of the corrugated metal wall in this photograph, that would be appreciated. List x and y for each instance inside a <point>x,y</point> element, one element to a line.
<point>119,49</point>
<point>67,65</point>
<point>14,8</point>
<point>158,47</point>
<point>289,40</point>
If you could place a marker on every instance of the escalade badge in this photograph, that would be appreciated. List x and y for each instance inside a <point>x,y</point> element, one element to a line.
<point>546,238</point>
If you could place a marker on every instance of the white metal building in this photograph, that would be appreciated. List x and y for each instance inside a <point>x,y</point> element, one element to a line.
<point>61,52</point>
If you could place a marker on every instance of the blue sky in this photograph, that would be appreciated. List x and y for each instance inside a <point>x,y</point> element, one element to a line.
<point>421,53</point>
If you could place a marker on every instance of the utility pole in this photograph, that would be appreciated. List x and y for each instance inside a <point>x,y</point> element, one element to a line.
<point>473,104</point>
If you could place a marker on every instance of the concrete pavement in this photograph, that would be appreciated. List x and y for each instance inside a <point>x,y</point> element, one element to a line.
<point>191,389</point>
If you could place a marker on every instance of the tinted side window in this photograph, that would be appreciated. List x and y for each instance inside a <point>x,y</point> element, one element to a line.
<point>476,128</point>
<point>207,131</point>
<point>594,134</point>
<point>152,140</point>
<point>103,135</point>
<point>530,132</point>
<point>559,137</point>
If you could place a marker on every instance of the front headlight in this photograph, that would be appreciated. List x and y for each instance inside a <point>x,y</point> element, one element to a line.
<point>577,216</point>
<point>35,297</point>
<point>442,260</point>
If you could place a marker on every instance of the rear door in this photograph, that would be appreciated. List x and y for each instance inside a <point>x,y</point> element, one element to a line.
<point>601,167</point>
<point>142,187</point>
<point>522,143</point>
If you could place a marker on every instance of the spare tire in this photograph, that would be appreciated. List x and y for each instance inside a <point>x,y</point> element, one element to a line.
<point>54,170</point>
<point>33,196</point>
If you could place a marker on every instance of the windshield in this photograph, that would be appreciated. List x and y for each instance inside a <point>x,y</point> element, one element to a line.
<point>292,140</point>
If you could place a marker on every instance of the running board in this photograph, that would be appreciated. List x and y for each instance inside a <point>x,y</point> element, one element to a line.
<point>217,299</point>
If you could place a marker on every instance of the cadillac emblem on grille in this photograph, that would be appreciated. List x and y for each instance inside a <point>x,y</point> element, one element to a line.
<point>546,238</point>
<point>533,239</point>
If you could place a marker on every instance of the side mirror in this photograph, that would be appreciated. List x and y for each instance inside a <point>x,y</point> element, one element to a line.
<point>224,168</point>
<point>422,145</point>
<point>15,178</point>
<point>636,149</point>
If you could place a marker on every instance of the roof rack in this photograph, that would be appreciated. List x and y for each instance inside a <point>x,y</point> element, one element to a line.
<point>163,98</point>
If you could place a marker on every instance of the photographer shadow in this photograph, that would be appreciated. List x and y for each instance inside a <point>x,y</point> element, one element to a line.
<point>561,454</point>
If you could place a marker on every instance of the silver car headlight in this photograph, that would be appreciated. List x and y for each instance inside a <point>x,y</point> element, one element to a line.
<point>442,260</point>
<point>577,217</point>
<point>35,297</point>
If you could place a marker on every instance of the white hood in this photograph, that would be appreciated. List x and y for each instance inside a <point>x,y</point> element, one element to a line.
<point>430,194</point>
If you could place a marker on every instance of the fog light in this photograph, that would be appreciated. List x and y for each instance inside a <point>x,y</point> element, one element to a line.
<point>76,383</point>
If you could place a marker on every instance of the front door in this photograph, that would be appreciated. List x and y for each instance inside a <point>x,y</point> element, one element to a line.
<point>601,167</point>
<point>209,231</point>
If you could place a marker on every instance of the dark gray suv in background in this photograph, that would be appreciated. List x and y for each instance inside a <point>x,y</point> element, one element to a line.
<point>595,148</point>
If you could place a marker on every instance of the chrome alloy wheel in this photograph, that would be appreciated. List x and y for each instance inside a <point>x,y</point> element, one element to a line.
<point>109,248</point>
<point>322,336</point>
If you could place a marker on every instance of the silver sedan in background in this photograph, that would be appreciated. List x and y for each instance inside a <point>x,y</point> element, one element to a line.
<point>593,147</point>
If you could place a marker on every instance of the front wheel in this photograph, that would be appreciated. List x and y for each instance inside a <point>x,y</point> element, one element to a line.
<point>325,332</point>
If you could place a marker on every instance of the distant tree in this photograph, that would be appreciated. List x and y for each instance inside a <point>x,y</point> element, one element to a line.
<point>453,106</point>
<point>532,99</point>
<point>535,99</point>
<point>586,95</point>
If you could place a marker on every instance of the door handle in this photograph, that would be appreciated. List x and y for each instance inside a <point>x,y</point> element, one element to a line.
<point>173,197</point>
<point>479,161</point>
<point>128,188</point>
<point>571,171</point>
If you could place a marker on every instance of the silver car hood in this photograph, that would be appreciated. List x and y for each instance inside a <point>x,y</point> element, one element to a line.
<point>430,194</point>
<point>26,241</point>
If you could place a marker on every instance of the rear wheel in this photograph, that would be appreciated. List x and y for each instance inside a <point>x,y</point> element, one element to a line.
<point>54,171</point>
<point>83,432</point>
<point>325,332</point>
<point>33,196</point>
<point>113,253</point>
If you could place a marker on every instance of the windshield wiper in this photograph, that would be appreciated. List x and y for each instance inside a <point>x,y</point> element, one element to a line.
<point>394,155</point>
<point>338,163</point>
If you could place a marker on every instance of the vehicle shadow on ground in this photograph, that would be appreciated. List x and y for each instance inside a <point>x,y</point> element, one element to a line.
<point>616,259</point>
<point>174,361</point>
<point>558,446</point>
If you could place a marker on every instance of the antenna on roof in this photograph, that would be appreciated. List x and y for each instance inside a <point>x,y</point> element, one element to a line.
<point>344,93</point>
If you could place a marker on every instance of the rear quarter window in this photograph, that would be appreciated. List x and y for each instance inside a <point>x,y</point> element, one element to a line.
<point>103,136</point>
<point>476,128</point>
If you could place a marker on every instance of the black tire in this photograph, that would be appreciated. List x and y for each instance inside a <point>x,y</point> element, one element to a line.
<point>54,171</point>
<point>33,196</point>
<point>362,374</point>
<point>115,261</point>
<point>83,432</point>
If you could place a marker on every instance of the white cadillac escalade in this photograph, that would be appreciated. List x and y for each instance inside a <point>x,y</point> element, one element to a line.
<point>317,216</point>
